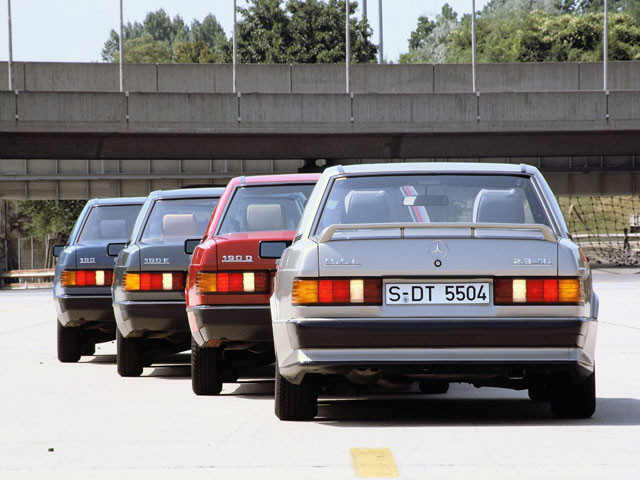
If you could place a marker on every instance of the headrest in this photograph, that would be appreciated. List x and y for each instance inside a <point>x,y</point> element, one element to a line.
<point>262,218</point>
<point>179,225</point>
<point>367,207</point>
<point>498,206</point>
<point>113,229</point>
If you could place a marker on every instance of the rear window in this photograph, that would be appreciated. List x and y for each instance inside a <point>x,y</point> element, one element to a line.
<point>109,222</point>
<point>432,198</point>
<point>265,208</point>
<point>174,220</point>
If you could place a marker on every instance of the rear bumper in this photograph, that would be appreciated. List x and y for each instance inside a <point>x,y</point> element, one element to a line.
<point>140,318</point>
<point>439,333</point>
<point>232,323</point>
<point>435,345</point>
<point>76,310</point>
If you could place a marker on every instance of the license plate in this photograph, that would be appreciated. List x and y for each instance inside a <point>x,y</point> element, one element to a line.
<point>436,293</point>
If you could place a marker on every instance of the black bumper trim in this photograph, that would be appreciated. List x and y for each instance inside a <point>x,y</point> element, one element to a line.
<point>437,333</point>
<point>235,323</point>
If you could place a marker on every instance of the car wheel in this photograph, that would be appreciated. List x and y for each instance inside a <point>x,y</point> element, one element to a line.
<point>206,370</point>
<point>69,343</point>
<point>540,393</point>
<point>575,401</point>
<point>130,355</point>
<point>88,348</point>
<point>433,386</point>
<point>296,402</point>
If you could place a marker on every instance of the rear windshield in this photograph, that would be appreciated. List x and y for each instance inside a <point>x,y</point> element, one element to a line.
<point>111,223</point>
<point>265,208</point>
<point>175,220</point>
<point>432,198</point>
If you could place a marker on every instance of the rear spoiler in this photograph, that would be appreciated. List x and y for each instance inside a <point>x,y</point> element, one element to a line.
<point>327,234</point>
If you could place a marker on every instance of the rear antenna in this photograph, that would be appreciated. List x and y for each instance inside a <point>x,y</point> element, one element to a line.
<point>242,180</point>
<point>523,168</point>
<point>340,169</point>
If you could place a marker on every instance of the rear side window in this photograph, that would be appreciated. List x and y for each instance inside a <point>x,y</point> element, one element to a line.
<point>174,220</point>
<point>265,208</point>
<point>432,198</point>
<point>109,222</point>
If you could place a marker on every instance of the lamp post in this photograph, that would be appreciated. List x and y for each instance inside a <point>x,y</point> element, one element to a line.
<point>235,46</point>
<point>347,37</point>
<point>605,46</point>
<point>473,45</point>
<point>380,36</point>
<point>121,51</point>
<point>10,48</point>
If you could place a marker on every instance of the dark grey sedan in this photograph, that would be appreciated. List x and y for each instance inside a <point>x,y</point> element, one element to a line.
<point>83,276</point>
<point>149,277</point>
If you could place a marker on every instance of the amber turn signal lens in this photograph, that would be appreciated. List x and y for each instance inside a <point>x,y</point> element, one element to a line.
<point>570,291</point>
<point>304,291</point>
<point>131,281</point>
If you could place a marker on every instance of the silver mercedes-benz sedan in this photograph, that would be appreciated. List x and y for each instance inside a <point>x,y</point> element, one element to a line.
<point>434,273</point>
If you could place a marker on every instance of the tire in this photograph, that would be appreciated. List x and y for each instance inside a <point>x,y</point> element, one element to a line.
<point>296,402</point>
<point>433,386</point>
<point>540,393</point>
<point>69,343</point>
<point>575,401</point>
<point>130,353</point>
<point>206,370</point>
<point>88,348</point>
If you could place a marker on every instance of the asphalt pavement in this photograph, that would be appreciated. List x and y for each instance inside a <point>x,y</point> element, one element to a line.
<point>82,421</point>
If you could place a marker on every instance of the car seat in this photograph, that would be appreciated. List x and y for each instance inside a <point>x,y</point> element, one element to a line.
<point>498,206</point>
<point>367,207</point>
<point>265,217</point>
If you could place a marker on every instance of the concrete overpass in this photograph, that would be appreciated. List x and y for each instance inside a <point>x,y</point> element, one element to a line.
<point>68,132</point>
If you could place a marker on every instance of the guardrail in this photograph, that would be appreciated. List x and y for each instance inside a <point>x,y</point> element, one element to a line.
<point>27,279</point>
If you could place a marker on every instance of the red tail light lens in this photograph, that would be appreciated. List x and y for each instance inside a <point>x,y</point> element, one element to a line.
<point>232,282</point>
<point>86,278</point>
<point>154,281</point>
<point>508,291</point>
<point>337,291</point>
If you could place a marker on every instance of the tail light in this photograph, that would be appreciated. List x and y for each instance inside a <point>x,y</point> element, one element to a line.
<point>508,291</point>
<point>337,291</point>
<point>86,278</point>
<point>170,281</point>
<point>232,282</point>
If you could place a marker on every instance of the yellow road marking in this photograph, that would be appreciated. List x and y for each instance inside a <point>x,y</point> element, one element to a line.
<point>374,462</point>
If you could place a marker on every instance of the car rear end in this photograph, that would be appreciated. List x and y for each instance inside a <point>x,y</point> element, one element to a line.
<point>231,274</point>
<point>458,274</point>
<point>84,273</point>
<point>149,280</point>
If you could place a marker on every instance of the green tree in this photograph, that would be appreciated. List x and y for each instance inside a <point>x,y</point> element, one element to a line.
<point>302,31</point>
<point>42,217</point>
<point>160,39</point>
<point>542,37</point>
<point>429,42</point>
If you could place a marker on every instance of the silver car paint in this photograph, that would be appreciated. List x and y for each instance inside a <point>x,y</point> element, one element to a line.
<point>404,260</point>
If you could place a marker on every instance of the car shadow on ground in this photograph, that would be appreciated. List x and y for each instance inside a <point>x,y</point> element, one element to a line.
<point>106,359</point>
<point>421,410</point>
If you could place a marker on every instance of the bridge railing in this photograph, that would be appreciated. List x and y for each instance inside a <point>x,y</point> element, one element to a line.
<point>320,78</point>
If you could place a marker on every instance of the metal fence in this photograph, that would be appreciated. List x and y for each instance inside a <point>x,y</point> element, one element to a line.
<point>26,253</point>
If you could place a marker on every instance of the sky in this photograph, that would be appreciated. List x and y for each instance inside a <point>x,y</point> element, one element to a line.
<point>75,30</point>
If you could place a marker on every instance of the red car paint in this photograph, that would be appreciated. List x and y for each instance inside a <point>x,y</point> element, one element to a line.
<point>207,256</point>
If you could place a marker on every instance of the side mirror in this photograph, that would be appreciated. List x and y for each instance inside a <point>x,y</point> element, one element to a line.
<point>190,245</point>
<point>272,249</point>
<point>113,249</point>
<point>57,250</point>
